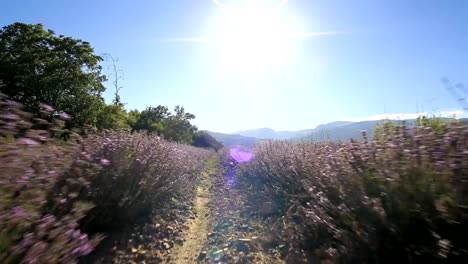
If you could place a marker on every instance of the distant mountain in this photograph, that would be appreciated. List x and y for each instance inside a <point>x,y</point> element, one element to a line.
<point>268,133</point>
<point>337,131</point>
<point>340,130</point>
<point>257,133</point>
<point>332,125</point>
<point>234,140</point>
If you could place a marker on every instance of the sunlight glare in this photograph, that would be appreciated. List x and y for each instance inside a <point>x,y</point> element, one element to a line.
<point>255,37</point>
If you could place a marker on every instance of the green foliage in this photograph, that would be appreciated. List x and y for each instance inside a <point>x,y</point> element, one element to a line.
<point>384,131</point>
<point>177,127</point>
<point>112,116</point>
<point>37,66</point>
<point>151,119</point>
<point>132,118</point>
<point>437,124</point>
<point>159,120</point>
<point>389,128</point>
<point>204,140</point>
<point>54,192</point>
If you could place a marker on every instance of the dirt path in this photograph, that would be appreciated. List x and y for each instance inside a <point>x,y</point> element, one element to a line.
<point>219,233</point>
<point>197,232</point>
<point>216,224</point>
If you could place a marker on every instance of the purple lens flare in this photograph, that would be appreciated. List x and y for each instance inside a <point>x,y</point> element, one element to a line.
<point>237,156</point>
<point>240,156</point>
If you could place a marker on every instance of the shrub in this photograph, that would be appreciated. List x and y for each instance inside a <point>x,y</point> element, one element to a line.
<point>402,197</point>
<point>53,193</point>
<point>142,172</point>
<point>31,162</point>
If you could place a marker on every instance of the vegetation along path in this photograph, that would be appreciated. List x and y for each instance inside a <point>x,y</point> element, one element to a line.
<point>197,231</point>
<point>223,231</point>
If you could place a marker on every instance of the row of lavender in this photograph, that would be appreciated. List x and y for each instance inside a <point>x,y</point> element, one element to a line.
<point>402,196</point>
<point>55,193</point>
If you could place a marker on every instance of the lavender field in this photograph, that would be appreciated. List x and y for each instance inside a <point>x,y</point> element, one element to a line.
<point>116,196</point>
<point>325,132</point>
<point>58,197</point>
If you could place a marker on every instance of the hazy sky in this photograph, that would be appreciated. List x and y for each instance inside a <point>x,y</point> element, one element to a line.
<point>287,65</point>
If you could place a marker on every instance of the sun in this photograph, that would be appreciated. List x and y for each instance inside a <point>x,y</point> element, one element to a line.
<point>254,37</point>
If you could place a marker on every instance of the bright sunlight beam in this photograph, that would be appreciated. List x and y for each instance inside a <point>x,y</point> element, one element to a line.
<point>255,37</point>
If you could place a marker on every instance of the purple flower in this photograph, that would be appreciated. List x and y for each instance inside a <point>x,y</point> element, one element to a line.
<point>105,162</point>
<point>48,108</point>
<point>28,142</point>
<point>19,212</point>
<point>35,252</point>
<point>47,221</point>
<point>13,103</point>
<point>86,249</point>
<point>84,237</point>
<point>76,234</point>
<point>83,250</point>
<point>9,117</point>
<point>23,179</point>
<point>27,240</point>
<point>64,116</point>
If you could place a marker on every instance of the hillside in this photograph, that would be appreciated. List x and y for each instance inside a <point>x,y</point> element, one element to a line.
<point>334,131</point>
<point>234,140</point>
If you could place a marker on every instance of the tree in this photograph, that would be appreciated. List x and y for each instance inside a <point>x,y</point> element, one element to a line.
<point>112,116</point>
<point>151,119</point>
<point>204,140</point>
<point>159,120</point>
<point>37,66</point>
<point>132,118</point>
<point>178,128</point>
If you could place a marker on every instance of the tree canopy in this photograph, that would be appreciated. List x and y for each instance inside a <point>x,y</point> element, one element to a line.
<point>40,67</point>
<point>37,66</point>
<point>173,126</point>
<point>204,140</point>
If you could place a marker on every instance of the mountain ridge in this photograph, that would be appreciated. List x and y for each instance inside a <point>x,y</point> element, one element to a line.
<point>333,131</point>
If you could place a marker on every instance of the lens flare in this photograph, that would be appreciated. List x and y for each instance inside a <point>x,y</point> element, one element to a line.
<point>240,156</point>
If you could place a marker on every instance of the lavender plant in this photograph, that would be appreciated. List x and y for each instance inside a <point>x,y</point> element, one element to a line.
<point>54,193</point>
<point>399,197</point>
<point>142,172</point>
<point>31,161</point>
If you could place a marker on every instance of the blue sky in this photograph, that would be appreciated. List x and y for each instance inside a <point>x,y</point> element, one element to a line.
<point>292,65</point>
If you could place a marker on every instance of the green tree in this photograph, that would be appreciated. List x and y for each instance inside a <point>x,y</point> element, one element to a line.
<point>204,140</point>
<point>37,66</point>
<point>160,120</point>
<point>112,116</point>
<point>132,118</point>
<point>177,127</point>
<point>151,119</point>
